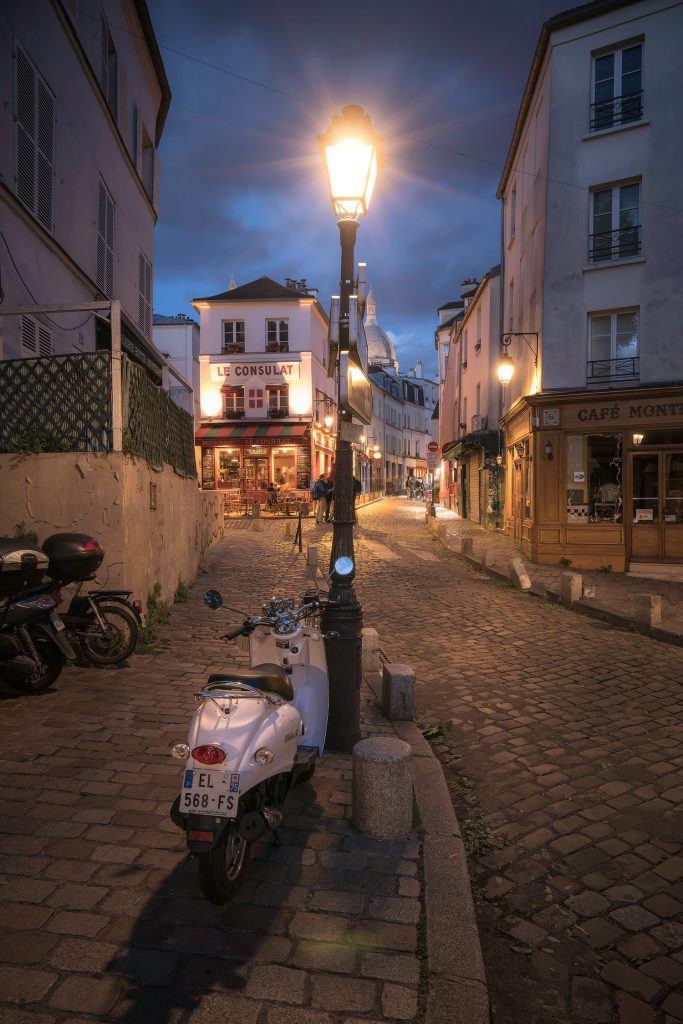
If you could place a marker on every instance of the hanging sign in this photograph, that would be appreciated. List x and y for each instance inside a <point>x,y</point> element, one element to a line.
<point>355,390</point>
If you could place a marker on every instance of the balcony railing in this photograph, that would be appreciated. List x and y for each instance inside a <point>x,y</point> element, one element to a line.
<point>614,245</point>
<point>231,348</point>
<point>278,414</point>
<point>232,413</point>
<point>617,111</point>
<point>606,372</point>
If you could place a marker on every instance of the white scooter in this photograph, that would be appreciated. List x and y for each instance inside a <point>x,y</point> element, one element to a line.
<point>257,732</point>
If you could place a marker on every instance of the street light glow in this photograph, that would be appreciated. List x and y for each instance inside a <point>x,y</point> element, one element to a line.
<point>506,369</point>
<point>351,153</point>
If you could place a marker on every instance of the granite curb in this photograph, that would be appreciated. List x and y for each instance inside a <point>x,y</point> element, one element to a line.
<point>583,607</point>
<point>456,979</point>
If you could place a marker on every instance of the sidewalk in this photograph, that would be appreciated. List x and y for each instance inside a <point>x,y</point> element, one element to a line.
<point>609,594</point>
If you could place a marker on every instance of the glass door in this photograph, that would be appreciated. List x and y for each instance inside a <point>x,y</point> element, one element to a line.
<point>645,507</point>
<point>256,474</point>
<point>672,467</point>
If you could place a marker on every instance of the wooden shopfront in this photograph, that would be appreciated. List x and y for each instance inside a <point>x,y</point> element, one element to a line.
<point>246,458</point>
<point>596,478</point>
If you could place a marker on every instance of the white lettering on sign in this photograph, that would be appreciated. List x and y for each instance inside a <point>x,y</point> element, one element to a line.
<point>247,371</point>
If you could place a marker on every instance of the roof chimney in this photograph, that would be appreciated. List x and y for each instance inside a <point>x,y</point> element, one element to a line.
<point>418,368</point>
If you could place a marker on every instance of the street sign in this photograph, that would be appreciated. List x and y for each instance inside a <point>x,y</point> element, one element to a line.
<point>433,446</point>
<point>355,390</point>
<point>333,336</point>
<point>433,460</point>
<point>351,431</point>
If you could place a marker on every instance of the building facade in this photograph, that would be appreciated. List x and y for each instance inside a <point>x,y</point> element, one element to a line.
<point>264,388</point>
<point>84,100</point>
<point>177,338</point>
<point>592,304</point>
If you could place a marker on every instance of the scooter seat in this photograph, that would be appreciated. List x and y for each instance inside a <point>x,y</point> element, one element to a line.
<point>269,678</point>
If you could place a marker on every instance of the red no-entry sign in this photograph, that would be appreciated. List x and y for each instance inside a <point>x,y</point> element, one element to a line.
<point>432,446</point>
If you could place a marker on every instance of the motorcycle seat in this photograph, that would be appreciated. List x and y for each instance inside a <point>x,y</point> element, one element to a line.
<point>269,678</point>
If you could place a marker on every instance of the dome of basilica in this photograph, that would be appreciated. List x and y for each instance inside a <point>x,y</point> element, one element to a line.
<point>381,350</point>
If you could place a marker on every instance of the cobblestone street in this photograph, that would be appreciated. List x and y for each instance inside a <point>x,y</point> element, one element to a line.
<point>101,916</point>
<point>565,734</point>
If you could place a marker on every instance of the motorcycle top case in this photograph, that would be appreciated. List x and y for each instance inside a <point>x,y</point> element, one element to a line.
<point>73,556</point>
<point>21,565</point>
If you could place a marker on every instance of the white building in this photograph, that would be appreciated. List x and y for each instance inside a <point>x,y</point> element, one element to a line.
<point>177,338</point>
<point>264,387</point>
<point>592,298</point>
<point>83,100</point>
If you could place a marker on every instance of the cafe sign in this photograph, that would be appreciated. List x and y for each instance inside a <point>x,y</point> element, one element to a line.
<point>239,373</point>
<point>634,411</point>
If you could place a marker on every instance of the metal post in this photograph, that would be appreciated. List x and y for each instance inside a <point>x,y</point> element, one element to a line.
<point>342,617</point>
<point>116,379</point>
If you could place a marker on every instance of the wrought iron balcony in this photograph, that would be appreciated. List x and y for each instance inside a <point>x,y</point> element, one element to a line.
<point>611,372</point>
<point>614,245</point>
<point>278,414</point>
<point>617,111</point>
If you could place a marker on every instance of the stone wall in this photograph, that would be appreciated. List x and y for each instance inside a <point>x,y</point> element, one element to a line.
<point>154,526</point>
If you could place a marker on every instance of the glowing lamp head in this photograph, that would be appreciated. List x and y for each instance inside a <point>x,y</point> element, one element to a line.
<point>212,403</point>
<point>377,455</point>
<point>329,420</point>
<point>638,438</point>
<point>352,152</point>
<point>506,369</point>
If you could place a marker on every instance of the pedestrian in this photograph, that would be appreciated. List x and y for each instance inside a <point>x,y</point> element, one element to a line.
<point>329,495</point>
<point>318,491</point>
<point>271,495</point>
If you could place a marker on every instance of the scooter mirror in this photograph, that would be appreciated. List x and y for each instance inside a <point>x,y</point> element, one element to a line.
<point>213,599</point>
<point>343,566</point>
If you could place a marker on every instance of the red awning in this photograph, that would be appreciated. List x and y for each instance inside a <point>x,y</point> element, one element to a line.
<point>218,435</point>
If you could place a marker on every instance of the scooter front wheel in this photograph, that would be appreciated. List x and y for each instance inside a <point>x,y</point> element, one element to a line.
<point>222,869</point>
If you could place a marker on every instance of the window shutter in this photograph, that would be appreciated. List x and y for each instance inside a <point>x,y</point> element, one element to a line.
<point>104,53</point>
<point>144,294</point>
<point>44,341</point>
<point>28,336</point>
<point>105,240</point>
<point>26,126</point>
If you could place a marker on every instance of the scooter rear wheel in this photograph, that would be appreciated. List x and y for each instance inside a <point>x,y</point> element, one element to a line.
<point>52,663</point>
<point>222,869</point>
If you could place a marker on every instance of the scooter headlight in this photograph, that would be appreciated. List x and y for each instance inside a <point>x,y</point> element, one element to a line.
<point>181,751</point>
<point>263,755</point>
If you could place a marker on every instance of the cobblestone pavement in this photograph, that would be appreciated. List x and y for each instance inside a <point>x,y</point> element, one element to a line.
<point>565,734</point>
<point>101,917</point>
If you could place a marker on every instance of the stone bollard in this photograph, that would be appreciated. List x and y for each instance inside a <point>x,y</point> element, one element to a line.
<point>489,556</point>
<point>571,588</point>
<point>312,555</point>
<point>256,509</point>
<point>370,648</point>
<point>398,693</point>
<point>647,610</point>
<point>288,527</point>
<point>382,801</point>
<point>467,546</point>
<point>520,577</point>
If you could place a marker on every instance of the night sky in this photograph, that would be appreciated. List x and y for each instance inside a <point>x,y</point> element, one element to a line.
<point>243,191</point>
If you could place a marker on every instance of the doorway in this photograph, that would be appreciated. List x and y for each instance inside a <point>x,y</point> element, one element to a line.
<point>517,496</point>
<point>657,506</point>
<point>255,473</point>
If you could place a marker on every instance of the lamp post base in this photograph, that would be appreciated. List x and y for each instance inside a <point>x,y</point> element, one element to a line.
<point>344,651</point>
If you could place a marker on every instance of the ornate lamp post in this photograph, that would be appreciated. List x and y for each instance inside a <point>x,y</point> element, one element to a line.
<point>351,152</point>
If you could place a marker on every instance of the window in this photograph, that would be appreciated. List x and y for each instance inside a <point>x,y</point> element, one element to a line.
<point>144,294</point>
<point>105,241</point>
<point>463,423</point>
<point>278,400</point>
<point>148,164</point>
<point>36,340</point>
<point>477,400</point>
<point>277,335</point>
<point>617,88</point>
<point>593,482</point>
<point>233,336</point>
<point>613,353</point>
<point>464,349</point>
<point>35,140</point>
<point>513,213</point>
<point>233,401</point>
<point>478,344</point>
<point>615,223</point>
<point>511,306</point>
<point>109,68</point>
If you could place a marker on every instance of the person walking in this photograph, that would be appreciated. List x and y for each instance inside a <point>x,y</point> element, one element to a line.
<point>329,495</point>
<point>318,491</point>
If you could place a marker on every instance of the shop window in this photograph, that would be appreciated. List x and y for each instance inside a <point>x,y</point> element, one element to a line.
<point>233,401</point>
<point>278,400</point>
<point>673,487</point>
<point>661,438</point>
<point>228,467</point>
<point>233,336</point>
<point>284,467</point>
<point>593,480</point>
<point>277,335</point>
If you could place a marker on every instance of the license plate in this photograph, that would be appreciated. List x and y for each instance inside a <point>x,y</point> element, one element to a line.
<point>56,622</point>
<point>210,792</point>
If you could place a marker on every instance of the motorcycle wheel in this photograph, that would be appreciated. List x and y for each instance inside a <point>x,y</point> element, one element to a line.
<point>52,665</point>
<point>121,636</point>
<point>222,869</point>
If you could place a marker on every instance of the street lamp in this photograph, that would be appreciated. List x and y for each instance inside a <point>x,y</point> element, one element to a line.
<point>506,366</point>
<point>351,152</point>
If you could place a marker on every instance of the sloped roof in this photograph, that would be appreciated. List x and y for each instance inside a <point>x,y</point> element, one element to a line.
<point>263,288</point>
<point>161,320</point>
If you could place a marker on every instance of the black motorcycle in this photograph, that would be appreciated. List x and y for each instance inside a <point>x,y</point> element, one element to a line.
<point>105,623</point>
